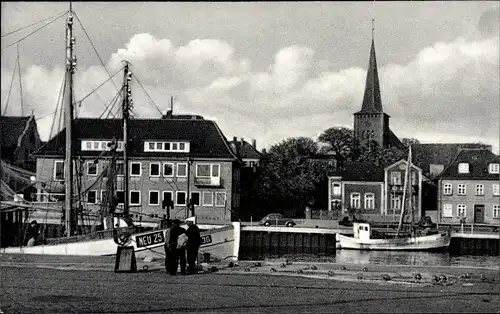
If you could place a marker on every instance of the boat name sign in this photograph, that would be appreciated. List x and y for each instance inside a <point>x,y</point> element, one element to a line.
<point>150,239</point>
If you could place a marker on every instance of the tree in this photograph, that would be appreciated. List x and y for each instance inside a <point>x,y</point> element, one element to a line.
<point>288,175</point>
<point>376,154</point>
<point>409,141</point>
<point>340,141</point>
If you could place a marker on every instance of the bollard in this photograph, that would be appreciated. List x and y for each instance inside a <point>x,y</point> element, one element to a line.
<point>206,257</point>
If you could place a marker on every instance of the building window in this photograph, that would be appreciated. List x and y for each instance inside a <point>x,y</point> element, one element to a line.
<point>207,170</point>
<point>336,189</point>
<point>92,197</point>
<point>461,210</point>
<point>208,199</point>
<point>355,200</point>
<point>120,196</point>
<point>447,189</point>
<point>181,170</point>
<point>493,168</point>
<point>58,170</point>
<point>180,198</point>
<point>104,197</point>
<point>135,168</point>
<point>369,201</point>
<point>496,189</point>
<point>168,169</point>
<point>91,168</point>
<point>447,211</point>
<point>90,145</point>
<point>135,198</point>
<point>179,147</point>
<point>496,211</point>
<point>195,198</point>
<point>154,169</point>
<point>120,168</point>
<point>463,167</point>
<point>154,198</point>
<point>168,198</point>
<point>414,176</point>
<point>462,190</point>
<point>395,202</point>
<point>396,178</point>
<point>479,189</point>
<point>220,199</point>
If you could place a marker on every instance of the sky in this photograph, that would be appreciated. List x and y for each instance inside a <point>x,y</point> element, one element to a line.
<point>267,70</point>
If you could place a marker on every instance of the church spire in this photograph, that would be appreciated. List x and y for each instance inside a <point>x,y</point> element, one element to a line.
<point>372,103</point>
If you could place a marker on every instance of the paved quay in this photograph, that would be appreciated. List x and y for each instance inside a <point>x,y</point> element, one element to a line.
<point>53,284</point>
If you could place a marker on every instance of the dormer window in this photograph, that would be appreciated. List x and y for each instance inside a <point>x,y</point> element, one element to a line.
<point>493,168</point>
<point>178,147</point>
<point>463,167</point>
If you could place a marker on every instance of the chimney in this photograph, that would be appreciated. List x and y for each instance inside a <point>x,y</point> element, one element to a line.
<point>235,139</point>
<point>242,141</point>
<point>254,143</point>
<point>263,151</point>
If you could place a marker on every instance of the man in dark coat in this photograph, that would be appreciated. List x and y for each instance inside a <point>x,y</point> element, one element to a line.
<point>180,252</point>
<point>169,255</point>
<point>193,244</point>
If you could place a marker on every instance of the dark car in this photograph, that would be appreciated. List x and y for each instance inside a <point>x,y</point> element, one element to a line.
<point>277,220</point>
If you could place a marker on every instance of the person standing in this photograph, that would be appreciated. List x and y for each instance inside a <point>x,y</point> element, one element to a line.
<point>169,254</point>
<point>31,233</point>
<point>193,244</point>
<point>177,244</point>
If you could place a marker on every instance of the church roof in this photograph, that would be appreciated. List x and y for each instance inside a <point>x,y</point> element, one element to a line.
<point>372,102</point>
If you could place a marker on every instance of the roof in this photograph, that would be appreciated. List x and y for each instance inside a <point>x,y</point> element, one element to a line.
<point>361,171</point>
<point>245,150</point>
<point>205,137</point>
<point>394,140</point>
<point>440,154</point>
<point>12,129</point>
<point>372,102</point>
<point>478,160</point>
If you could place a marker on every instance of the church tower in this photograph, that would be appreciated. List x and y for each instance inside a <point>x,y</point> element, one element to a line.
<point>371,123</point>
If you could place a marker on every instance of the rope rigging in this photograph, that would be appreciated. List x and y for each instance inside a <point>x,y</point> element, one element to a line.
<point>147,94</point>
<point>38,22</point>
<point>20,80</point>
<point>10,88</point>
<point>33,32</point>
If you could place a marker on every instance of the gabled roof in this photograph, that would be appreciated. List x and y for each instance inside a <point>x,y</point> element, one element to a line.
<point>440,154</point>
<point>372,102</point>
<point>12,128</point>
<point>361,171</point>
<point>478,160</point>
<point>404,162</point>
<point>245,150</point>
<point>394,140</point>
<point>205,137</point>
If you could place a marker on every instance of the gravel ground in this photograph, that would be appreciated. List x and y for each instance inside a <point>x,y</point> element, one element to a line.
<point>44,284</point>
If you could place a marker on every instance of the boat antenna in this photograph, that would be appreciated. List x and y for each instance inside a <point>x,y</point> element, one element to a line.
<point>68,121</point>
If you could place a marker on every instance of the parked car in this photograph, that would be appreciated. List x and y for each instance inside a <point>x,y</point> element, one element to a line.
<point>277,220</point>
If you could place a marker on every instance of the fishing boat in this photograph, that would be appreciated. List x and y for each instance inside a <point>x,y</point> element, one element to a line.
<point>412,238</point>
<point>118,229</point>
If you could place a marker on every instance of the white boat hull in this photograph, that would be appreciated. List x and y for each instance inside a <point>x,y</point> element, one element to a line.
<point>221,243</point>
<point>428,242</point>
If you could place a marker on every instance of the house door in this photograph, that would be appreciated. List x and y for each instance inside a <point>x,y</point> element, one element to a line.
<point>478,214</point>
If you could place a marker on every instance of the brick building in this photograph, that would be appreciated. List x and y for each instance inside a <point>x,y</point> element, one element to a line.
<point>172,159</point>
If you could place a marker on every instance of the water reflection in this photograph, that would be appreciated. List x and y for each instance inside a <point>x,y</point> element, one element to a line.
<point>414,258</point>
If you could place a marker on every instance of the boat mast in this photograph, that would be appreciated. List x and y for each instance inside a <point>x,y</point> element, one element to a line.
<point>126,106</point>
<point>405,187</point>
<point>68,119</point>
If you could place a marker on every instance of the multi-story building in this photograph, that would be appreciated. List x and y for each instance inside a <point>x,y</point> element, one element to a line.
<point>171,160</point>
<point>374,192</point>
<point>469,188</point>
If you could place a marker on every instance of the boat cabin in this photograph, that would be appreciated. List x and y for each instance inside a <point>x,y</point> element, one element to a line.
<point>362,231</point>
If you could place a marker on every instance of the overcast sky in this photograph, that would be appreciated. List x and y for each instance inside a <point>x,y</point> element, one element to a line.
<point>270,70</point>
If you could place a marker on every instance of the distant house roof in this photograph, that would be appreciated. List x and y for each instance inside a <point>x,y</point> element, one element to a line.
<point>12,130</point>
<point>440,154</point>
<point>394,140</point>
<point>478,160</point>
<point>205,137</point>
<point>244,149</point>
<point>362,172</point>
